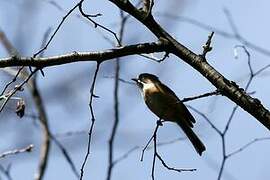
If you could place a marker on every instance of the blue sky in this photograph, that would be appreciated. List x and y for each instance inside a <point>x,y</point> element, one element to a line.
<point>65,90</point>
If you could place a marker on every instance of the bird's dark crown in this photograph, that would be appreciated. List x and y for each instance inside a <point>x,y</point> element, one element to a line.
<point>146,76</point>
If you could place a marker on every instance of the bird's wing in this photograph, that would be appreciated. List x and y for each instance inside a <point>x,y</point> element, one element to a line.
<point>187,113</point>
<point>181,107</point>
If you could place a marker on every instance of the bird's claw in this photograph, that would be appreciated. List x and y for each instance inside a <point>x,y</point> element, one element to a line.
<point>159,122</point>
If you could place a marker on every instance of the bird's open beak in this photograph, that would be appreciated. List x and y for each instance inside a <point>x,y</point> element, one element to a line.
<point>135,79</point>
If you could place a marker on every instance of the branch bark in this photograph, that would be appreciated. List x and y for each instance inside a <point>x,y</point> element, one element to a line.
<point>98,57</point>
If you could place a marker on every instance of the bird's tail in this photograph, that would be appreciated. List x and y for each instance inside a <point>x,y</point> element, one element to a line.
<point>196,142</point>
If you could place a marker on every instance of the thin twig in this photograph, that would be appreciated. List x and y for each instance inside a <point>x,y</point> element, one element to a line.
<point>28,148</point>
<point>155,150</point>
<point>87,16</point>
<point>125,155</point>
<point>41,111</point>
<point>207,47</point>
<point>43,119</point>
<point>247,145</point>
<point>157,155</point>
<point>12,51</point>
<point>6,171</point>
<point>153,58</point>
<point>17,88</point>
<point>12,81</point>
<point>56,30</point>
<point>116,102</point>
<point>206,118</point>
<point>172,168</point>
<point>66,155</point>
<point>147,7</point>
<point>82,18</point>
<point>213,93</point>
<point>217,31</point>
<point>147,145</point>
<point>261,70</point>
<point>225,156</point>
<point>90,132</point>
<point>231,22</point>
<point>7,44</point>
<point>70,133</point>
<point>120,80</point>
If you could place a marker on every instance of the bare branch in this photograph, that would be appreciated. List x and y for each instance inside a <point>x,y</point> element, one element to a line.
<point>12,51</point>
<point>41,111</point>
<point>90,132</point>
<point>97,24</point>
<point>56,30</point>
<point>120,80</point>
<point>206,118</point>
<point>70,133</point>
<point>78,5</point>
<point>152,57</point>
<point>147,7</point>
<point>85,56</point>
<point>17,88</point>
<point>147,144</point>
<point>213,93</point>
<point>66,155</point>
<point>261,70</point>
<point>6,171</point>
<point>116,101</point>
<point>7,44</point>
<point>220,32</point>
<point>125,155</point>
<point>247,145</point>
<point>223,133</point>
<point>28,148</point>
<point>14,79</point>
<point>45,147</point>
<point>231,22</point>
<point>157,155</point>
<point>172,168</point>
<point>87,16</point>
<point>207,47</point>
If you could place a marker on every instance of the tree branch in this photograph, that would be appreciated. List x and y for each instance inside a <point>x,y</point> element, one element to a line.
<point>217,31</point>
<point>45,147</point>
<point>143,48</point>
<point>44,153</point>
<point>28,148</point>
<point>116,101</point>
<point>6,171</point>
<point>227,88</point>
<point>90,132</point>
<point>157,155</point>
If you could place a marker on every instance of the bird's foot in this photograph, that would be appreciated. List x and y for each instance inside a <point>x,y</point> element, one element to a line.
<point>159,122</point>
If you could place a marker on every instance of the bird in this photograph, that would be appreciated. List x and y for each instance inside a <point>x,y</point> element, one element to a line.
<point>164,103</point>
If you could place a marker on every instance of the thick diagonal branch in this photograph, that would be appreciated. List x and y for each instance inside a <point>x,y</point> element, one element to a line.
<point>227,88</point>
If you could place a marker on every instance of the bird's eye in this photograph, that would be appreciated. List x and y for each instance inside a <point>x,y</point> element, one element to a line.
<point>144,79</point>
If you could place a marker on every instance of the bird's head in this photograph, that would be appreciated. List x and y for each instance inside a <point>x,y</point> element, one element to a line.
<point>146,80</point>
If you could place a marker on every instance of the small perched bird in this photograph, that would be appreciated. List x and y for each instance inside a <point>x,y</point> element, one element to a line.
<point>163,102</point>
